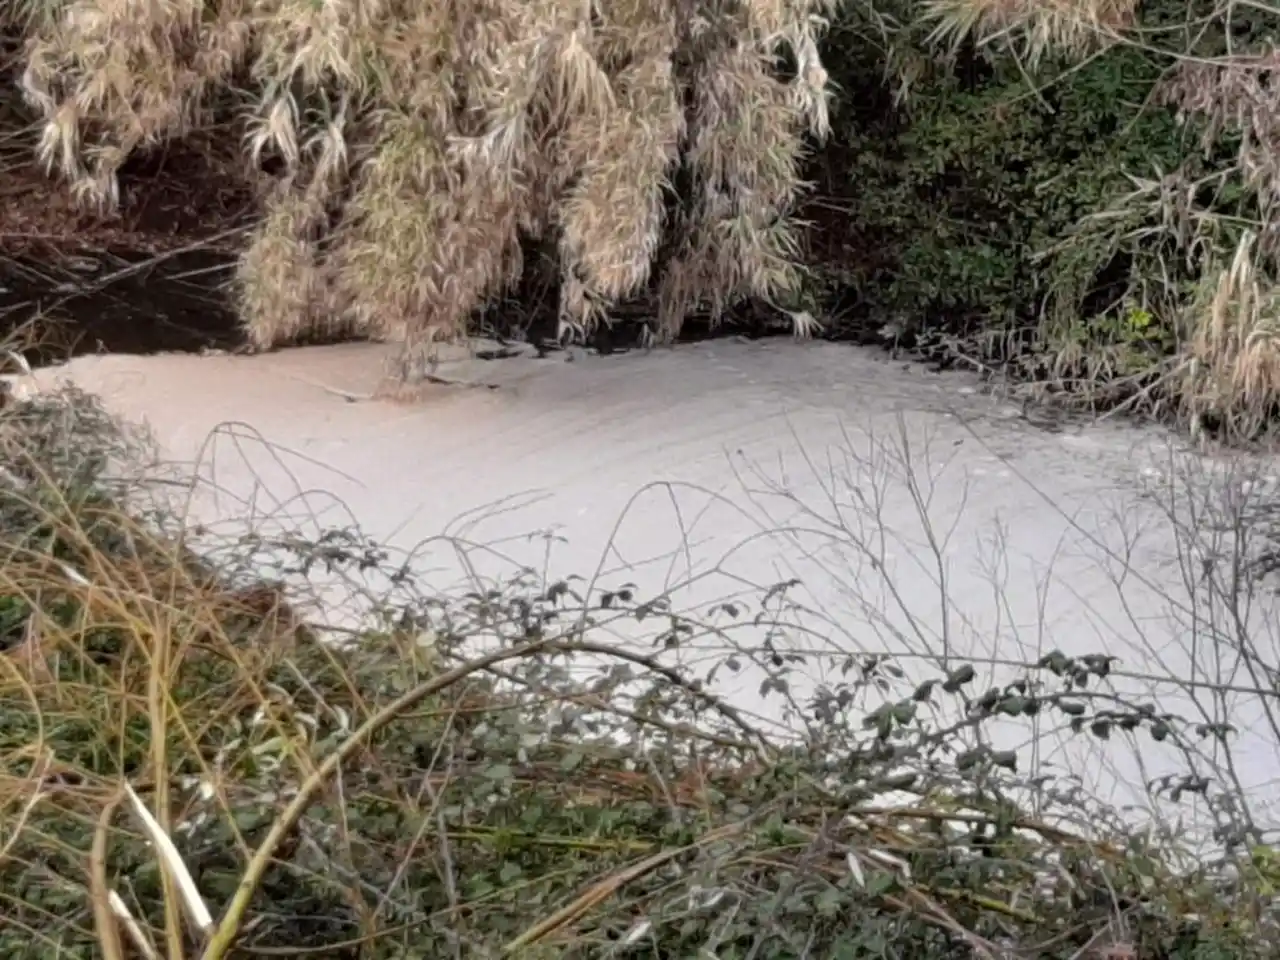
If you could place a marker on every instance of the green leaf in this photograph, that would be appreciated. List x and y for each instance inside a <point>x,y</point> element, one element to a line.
<point>958,678</point>
<point>904,712</point>
<point>828,902</point>
<point>498,772</point>
<point>1012,706</point>
<point>924,691</point>
<point>901,781</point>
<point>881,882</point>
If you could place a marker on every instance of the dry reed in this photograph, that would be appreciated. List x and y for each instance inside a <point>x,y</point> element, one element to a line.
<point>1232,368</point>
<point>417,146</point>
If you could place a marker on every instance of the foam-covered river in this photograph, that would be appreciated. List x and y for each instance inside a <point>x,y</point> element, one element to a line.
<point>922,516</point>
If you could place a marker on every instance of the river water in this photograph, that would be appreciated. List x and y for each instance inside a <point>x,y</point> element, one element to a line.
<point>922,516</point>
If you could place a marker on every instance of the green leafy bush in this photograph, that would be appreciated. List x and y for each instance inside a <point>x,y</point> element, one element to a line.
<point>1075,200</point>
<point>963,173</point>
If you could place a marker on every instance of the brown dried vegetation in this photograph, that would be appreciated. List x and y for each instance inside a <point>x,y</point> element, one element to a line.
<point>1232,352</point>
<point>1239,95</point>
<point>1035,27</point>
<point>413,147</point>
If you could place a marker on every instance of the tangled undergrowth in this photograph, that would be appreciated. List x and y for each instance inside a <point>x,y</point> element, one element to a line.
<point>189,767</point>
<point>1080,195</point>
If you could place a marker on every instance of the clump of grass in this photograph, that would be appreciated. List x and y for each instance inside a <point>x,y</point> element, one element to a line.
<point>1077,27</point>
<point>1231,371</point>
<point>415,146</point>
<point>448,781</point>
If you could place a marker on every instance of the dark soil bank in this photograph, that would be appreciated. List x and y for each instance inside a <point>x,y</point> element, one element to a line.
<point>158,277</point>
<point>61,305</point>
<point>117,303</point>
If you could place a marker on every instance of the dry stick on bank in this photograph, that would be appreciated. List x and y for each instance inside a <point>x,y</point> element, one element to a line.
<point>104,920</point>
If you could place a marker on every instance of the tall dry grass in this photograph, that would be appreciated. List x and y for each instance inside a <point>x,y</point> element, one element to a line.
<point>1231,367</point>
<point>655,143</point>
<point>1231,352</point>
<point>1035,28</point>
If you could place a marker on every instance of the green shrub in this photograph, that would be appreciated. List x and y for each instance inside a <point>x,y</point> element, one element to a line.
<point>981,168</point>
<point>1068,206</point>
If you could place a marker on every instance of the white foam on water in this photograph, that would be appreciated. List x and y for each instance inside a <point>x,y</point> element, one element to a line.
<point>921,516</point>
